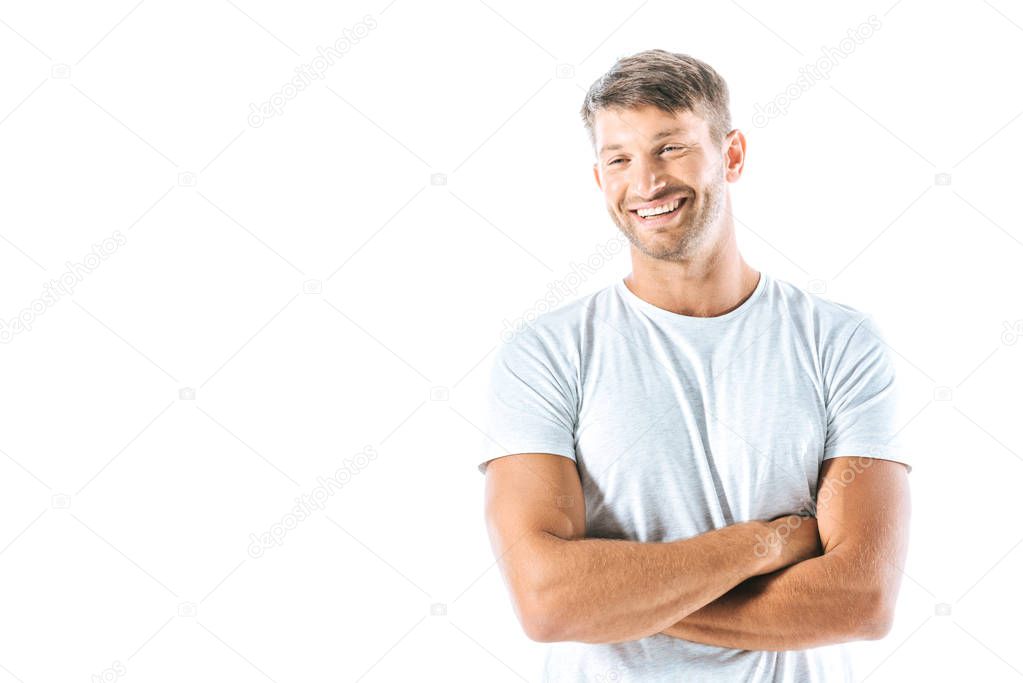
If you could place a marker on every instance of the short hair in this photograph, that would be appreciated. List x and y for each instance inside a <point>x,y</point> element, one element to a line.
<point>670,81</point>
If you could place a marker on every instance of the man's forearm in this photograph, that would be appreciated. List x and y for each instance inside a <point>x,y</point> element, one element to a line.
<point>848,593</point>
<point>809,604</point>
<point>605,590</point>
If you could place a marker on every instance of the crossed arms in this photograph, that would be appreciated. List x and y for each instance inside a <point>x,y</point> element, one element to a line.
<point>785,584</point>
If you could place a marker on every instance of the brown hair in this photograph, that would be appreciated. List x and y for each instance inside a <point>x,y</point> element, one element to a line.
<point>670,81</point>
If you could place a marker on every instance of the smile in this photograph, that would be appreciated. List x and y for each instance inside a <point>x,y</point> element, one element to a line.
<point>661,214</point>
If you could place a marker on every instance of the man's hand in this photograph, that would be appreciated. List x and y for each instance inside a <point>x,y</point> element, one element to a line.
<point>791,539</point>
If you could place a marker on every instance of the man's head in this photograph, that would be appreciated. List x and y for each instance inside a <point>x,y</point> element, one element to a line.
<point>660,127</point>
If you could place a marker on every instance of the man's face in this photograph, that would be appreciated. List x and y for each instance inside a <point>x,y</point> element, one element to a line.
<point>647,158</point>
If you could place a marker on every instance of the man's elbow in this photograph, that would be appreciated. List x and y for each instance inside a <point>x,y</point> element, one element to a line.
<point>538,620</point>
<point>878,616</point>
<point>540,633</point>
<point>545,620</point>
<point>549,625</point>
<point>533,599</point>
<point>869,618</point>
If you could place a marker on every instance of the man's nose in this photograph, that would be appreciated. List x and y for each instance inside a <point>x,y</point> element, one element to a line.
<point>648,179</point>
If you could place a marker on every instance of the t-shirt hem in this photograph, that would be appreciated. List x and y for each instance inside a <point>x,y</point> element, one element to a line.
<point>867,452</point>
<point>556,450</point>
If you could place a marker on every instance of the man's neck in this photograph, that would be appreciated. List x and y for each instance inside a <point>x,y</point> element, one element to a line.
<point>699,289</point>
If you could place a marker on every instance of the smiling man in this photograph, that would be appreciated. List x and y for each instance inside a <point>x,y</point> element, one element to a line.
<point>693,473</point>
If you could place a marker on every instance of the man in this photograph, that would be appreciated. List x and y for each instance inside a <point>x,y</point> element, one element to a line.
<point>656,449</point>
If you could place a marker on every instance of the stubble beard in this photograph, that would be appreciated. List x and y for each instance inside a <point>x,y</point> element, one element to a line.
<point>685,239</point>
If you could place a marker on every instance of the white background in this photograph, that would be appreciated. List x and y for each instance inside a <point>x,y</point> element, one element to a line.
<point>127,510</point>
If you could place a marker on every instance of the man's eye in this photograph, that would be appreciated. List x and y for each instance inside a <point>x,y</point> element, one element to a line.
<point>670,147</point>
<point>613,161</point>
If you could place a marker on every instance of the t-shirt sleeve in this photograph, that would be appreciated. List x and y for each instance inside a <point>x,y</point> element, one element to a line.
<point>864,402</point>
<point>531,401</point>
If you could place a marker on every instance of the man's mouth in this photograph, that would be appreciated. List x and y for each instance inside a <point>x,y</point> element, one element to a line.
<point>662,213</point>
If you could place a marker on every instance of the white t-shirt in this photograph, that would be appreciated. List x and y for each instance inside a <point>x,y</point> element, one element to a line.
<point>680,424</point>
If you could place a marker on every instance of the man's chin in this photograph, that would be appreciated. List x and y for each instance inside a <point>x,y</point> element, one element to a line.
<point>661,249</point>
<point>663,245</point>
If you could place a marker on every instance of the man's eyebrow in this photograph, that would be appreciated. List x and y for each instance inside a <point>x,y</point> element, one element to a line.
<point>667,132</point>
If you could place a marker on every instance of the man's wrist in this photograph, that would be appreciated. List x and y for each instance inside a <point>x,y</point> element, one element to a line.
<point>798,538</point>
<point>765,549</point>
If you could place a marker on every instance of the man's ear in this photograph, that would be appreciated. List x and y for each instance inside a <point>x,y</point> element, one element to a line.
<point>596,176</point>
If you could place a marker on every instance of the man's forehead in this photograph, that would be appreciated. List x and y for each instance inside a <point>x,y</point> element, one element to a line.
<point>617,127</point>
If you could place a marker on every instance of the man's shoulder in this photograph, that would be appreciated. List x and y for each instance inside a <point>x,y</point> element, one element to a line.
<point>808,306</point>
<point>557,324</point>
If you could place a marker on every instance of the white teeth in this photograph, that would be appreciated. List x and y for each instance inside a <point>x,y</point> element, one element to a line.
<point>666,208</point>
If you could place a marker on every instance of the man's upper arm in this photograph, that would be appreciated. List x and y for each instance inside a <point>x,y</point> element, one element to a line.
<point>527,496</point>
<point>864,398</point>
<point>531,404</point>
<point>863,512</point>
